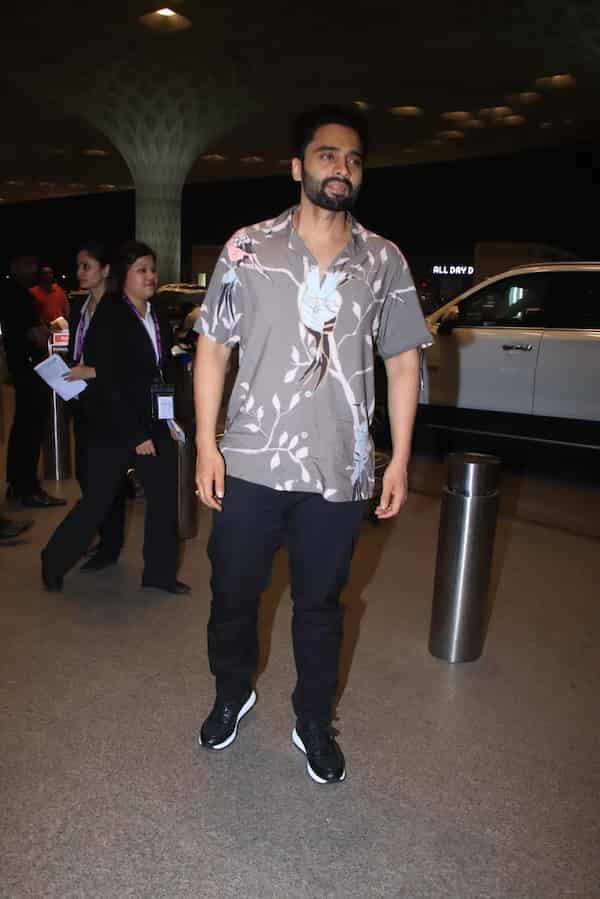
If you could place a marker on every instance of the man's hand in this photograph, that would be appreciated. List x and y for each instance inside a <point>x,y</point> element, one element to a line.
<point>80,372</point>
<point>394,491</point>
<point>210,477</point>
<point>146,448</point>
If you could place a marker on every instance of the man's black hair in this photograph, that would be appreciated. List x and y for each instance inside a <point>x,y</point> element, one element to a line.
<point>307,123</point>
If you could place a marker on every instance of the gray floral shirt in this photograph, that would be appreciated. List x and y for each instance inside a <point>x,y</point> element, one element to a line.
<point>303,400</point>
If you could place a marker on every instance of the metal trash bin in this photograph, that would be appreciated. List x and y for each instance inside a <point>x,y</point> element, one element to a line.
<point>56,453</point>
<point>460,611</point>
<point>187,501</point>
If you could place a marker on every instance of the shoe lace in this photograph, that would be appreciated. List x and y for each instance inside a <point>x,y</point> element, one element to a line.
<point>225,712</point>
<point>318,739</point>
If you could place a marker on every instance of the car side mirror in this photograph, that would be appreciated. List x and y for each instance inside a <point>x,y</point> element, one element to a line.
<point>448,322</point>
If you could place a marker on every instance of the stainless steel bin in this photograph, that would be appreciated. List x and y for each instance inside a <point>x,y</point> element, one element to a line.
<point>468,517</point>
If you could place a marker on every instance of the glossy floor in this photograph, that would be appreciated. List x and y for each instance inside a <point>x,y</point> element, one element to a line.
<point>464,782</point>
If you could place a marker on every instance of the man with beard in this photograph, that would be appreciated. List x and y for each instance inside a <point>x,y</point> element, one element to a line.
<point>307,296</point>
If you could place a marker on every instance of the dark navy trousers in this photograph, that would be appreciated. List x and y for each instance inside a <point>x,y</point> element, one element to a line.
<point>320,537</point>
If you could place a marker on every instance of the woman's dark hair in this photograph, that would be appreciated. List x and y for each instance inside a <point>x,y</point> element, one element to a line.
<point>123,259</point>
<point>97,249</point>
<point>307,123</point>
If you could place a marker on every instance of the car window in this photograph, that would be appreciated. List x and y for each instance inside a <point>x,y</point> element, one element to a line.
<point>575,300</point>
<point>516,301</point>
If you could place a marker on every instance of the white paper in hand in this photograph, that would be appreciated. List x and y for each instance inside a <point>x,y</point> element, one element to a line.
<point>51,370</point>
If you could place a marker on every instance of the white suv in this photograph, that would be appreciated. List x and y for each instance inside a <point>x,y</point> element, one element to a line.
<point>518,355</point>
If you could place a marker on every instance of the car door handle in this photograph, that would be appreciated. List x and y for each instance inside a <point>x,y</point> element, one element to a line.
<point>524,347</point>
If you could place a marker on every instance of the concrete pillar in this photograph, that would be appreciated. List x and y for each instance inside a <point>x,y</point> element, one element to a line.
<point>158,221</point>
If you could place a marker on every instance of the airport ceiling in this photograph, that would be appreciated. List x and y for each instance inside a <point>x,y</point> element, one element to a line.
<point>438,81</point>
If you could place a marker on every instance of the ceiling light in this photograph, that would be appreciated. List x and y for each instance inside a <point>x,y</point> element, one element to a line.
<point>513,120</point>
<point>252,159</point>
<point>545,124</point>
<point>213,157</point>
<point>15,183</point>
<point>473,123</point>
<point>459,115</point>
<point>362,105</point>
<point>451,135</point>
<point>526,97</point>
<point>409,112</point>
<point>107,186</point>
<point>165,20</point>
<point>496,112</point>
<point>95,151</point>
<point>556,81</point>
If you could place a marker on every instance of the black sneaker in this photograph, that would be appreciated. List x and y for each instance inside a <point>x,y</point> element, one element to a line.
<point>221,727</point>
<point>325,761</point>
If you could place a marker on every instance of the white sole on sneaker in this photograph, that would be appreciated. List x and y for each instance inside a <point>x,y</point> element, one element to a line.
<point>251,701</point>
<point>300,745</point>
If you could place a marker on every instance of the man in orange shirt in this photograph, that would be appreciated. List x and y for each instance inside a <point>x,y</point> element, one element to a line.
<point>51,298</point>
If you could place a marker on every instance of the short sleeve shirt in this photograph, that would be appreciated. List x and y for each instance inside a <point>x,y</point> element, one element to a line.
<point>300,411</point>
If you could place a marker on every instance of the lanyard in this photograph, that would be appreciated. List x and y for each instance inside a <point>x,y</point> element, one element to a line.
<point>82,329</point>
<point>156,328</point>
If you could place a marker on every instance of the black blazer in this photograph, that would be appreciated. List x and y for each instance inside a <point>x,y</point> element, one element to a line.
<point>120,407</point>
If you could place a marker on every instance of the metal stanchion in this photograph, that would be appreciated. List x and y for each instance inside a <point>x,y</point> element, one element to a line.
<point>57,445</point>
<point>466,539</point>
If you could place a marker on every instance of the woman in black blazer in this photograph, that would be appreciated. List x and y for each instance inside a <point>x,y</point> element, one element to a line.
<point>132,362</point>
<point>84,329</point>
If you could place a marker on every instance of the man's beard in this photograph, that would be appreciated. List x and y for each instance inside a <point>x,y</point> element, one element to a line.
<point>315,191</point>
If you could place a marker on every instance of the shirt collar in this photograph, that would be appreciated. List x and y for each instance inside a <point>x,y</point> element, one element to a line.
<point>354,249</point>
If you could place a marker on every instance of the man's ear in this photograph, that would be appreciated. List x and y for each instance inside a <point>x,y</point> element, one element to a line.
<point>297,169</point>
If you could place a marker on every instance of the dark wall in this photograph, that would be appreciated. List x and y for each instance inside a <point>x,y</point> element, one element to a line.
<point>430,210</point>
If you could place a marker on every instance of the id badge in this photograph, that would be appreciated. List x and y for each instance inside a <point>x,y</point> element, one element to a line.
<point>163,401</point>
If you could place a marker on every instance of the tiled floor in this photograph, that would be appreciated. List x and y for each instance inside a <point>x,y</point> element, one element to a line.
<point>464,782</point>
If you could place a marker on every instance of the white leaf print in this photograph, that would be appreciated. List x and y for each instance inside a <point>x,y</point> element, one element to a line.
<point>250,403</point>
<point>288,485</point>
<point>253,428</point>
<point>245,386</point>
<point>294,400</point>
<point>302,452</point>
<point>293,442</point>
<point>289,375</point>
<point>305,475</point>
<point>259,413</point>
<point>383,255</point>
<point>278,486</point>
<point>369,339</point>
<point>329,493</point>
<point>319,486</point>
<point>283,438</point>
<point>275,461</point>
<point>304,435</point>
<point>295,355</point>
<point>356,309</point>
<point>377,285</point>
<point>276,402</point>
